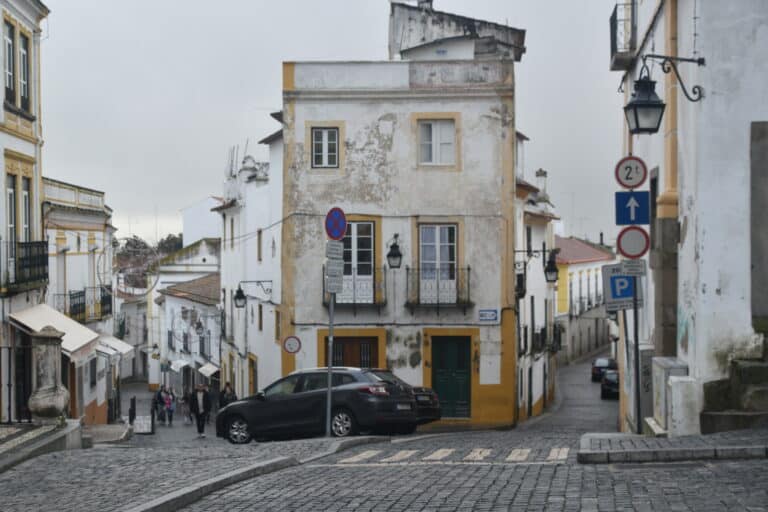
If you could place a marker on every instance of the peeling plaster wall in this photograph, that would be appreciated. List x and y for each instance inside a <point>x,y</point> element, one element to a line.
<point>378,176</point>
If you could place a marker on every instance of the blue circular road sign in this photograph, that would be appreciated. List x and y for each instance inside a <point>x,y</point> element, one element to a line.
<point>335,224</point>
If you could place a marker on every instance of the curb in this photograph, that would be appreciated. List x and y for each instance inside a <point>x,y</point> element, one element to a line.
<point>188,495</point>
<point>588,456</point>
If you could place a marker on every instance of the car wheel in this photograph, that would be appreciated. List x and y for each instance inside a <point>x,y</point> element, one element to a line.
<point>237,431</point>
<point>343,423</point>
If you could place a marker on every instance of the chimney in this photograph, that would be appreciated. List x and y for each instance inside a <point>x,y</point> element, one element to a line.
<point>425,4</point>
<point>541,180</point>
<point>601,238</point>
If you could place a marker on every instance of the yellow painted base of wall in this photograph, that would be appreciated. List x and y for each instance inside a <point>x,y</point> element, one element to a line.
<point>154,387</point>
<point>538,407</point>
<point>96,414</point>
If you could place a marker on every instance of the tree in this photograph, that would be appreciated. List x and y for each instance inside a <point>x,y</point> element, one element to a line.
<point>169,244</point>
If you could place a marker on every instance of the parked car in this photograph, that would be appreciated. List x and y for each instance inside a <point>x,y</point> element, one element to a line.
<point>600,365</point>
<point>296,405</point>
<point>609,386</point>
<point>427,401</point>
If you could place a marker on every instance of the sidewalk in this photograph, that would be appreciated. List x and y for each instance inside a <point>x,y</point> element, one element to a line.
<point>611,448</point>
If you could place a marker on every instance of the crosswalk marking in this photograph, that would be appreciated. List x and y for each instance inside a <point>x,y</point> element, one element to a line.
<point>401,455</point>
<point>558,454</point>
<point>478,454</point>
<point>518,455</point>
<point>439,454</point>
<point>367,454</point>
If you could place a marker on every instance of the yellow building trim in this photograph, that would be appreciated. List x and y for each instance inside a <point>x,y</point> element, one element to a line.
<point>538,406</point>
<point>379,333</point>
<point>289,76</point>
<point>563,284</point>
<point>16,133</point>
<point>437,116</point>
<point>378,251</point>
<point>341,126</point>
<point>9,153</point>
<point>667,203</point>
<point>253,362</point>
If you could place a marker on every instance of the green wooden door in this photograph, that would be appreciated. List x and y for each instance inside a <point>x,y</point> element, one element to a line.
<point>451,375</point>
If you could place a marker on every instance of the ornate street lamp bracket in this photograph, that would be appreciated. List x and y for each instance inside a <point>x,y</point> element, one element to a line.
<point>670,64</point>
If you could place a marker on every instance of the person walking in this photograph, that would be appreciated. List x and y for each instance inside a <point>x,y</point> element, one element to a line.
<point>160,404</point>
<point>200,406</point>
<point>170,406</point>
<point>227,396</point>
<point>185,407</point>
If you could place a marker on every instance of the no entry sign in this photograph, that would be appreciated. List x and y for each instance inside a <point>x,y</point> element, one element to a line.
<point>633,242</point>
<point>335,224</point>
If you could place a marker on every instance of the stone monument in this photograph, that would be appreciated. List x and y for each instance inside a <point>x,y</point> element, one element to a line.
<point>49,399</point>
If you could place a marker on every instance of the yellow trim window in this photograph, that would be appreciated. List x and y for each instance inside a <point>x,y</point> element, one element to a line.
<point>325,147</point>
<point>10,51</point>
<point>437,142</point>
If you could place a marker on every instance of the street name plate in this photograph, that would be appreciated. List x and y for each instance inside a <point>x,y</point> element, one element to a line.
<point>618,289</point>
<point>633,267</point>
<point>334,250</point>
<point>334,268</point>
<point>333,284</point>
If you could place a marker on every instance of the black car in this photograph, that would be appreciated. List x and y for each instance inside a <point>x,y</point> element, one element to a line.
<point>427,401</point>
<point>600,365</point>
<point>296,405</point>
<point>609,386</point>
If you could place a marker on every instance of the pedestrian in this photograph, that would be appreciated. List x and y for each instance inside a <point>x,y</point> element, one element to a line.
<point>227,396</point>
<point>185,398</point>
<point>170,406</point>
<point>160,405</point>
<point>200,405</point>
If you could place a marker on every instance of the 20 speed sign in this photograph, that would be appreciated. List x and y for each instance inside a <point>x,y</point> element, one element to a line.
<point>631,172</point>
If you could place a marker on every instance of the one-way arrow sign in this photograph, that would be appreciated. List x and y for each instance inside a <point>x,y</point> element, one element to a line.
<point>632,208</point>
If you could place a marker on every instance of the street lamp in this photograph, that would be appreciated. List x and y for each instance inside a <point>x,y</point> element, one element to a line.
<point>199,329</point>
<point>240,298</point>
<point>394,256</point>
<point>550,271</point>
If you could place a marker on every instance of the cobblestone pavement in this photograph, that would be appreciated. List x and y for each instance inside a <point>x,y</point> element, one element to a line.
<point>749,437</point>
<point>529,468</point>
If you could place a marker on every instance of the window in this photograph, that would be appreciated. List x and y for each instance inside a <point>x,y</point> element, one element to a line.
<point>10,186</point>
<point>278,327</point>
<point>315,381</point>
<point>261,317</point>
<point>24,71</point>
<point>10,51</point>
<point>258,245</point>
<point>26,211</point>
<point>286,386</point>
<point>533,323</point>
<point>436,142</point>
<point>437,254</point>
<point>232,233</point>
<point>92,372</point>
<point>357,286</point>
<point>325,147</point>
<point>529,240</point>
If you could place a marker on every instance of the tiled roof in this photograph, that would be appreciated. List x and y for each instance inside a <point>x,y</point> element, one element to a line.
<point>203,290</point>
<point>575,250</point>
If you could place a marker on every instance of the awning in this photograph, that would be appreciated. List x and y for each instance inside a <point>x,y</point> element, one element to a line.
<point>178,364</point>
<point>77,340</point>
<point>208,369</point>
<point>108,352</point>
<point>121,347</point>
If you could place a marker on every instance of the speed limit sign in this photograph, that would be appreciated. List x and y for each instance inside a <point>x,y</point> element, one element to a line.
<point>631,172</point>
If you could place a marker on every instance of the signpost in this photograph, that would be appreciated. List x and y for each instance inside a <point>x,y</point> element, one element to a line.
<point>620,284</point>
<point>335,228</point>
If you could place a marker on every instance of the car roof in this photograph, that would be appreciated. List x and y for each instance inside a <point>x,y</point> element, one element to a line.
<point>325,368</point>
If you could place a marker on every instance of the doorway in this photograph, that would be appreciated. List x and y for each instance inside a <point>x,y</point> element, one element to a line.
<point>530,391</point>
<point>451,375</point>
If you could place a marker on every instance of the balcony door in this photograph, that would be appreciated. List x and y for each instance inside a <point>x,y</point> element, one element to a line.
<point>358,286</point>
<point>437,262</point>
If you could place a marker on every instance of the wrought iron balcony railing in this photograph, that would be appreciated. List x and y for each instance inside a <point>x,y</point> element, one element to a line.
<point>23,265</point>
<point>87,305</point>
<point>363,287</point>
<point>430,286</point>
<point>623,34</point>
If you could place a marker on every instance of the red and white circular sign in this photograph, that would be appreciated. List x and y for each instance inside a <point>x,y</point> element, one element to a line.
<point>633,242</point>
<point>291,344</point>
<point>631,172</point>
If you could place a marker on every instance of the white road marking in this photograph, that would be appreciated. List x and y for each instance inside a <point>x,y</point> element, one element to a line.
<point>478,454</point>
<point>25,437</point>
<point>401,455</point>
<point>518,454</point>
<point>558,454</point>
<point>439,454</point>
<point>437,463</point>
<point>367,454</point>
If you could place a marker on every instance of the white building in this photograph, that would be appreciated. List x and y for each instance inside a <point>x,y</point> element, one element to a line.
<point>251,257</point>
<point>132,327</point>
<point>707,304</point>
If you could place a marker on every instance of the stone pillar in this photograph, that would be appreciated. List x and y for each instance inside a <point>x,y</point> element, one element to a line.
<point>49,399</point>
<point>663,261</point>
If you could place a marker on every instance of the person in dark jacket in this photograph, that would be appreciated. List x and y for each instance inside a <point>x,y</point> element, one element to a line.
<point>200,407</point>
<point>227,396</point>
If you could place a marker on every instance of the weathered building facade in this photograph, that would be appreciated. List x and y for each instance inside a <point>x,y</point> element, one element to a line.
<point>421,151</point>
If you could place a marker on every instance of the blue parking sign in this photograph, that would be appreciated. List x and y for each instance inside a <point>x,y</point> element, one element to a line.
<point>622,287</point>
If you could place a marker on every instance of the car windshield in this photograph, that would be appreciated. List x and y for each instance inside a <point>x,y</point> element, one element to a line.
<point>602,362</point>
<point>388,377</point>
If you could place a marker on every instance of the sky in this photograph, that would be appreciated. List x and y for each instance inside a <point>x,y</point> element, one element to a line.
<point>143,99</point>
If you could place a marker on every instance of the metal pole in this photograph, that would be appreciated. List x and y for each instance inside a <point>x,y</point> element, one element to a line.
<point>636,328</point>
<point>329,363</point>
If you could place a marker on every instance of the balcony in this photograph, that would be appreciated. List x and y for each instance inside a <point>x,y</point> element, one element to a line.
<point>428,287</point>
<point>23,266</point>
<point>623,36</point>
<point>87,305</point>
<point>360,289</point>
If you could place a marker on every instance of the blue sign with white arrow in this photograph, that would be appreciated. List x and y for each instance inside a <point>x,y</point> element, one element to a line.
<point>633,208</point>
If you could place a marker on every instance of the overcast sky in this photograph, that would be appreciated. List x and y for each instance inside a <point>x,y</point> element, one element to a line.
<point>142,99</point>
